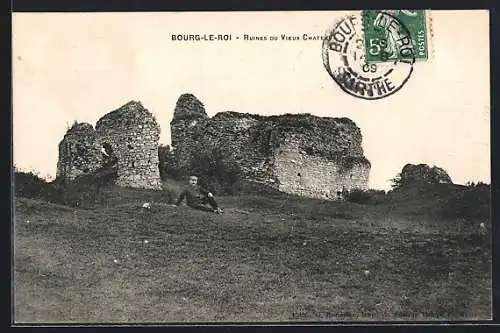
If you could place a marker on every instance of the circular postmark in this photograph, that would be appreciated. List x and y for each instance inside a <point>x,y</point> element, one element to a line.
<point>344,50</point>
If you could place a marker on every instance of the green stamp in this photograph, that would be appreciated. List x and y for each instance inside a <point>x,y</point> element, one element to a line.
<point>392,35</point>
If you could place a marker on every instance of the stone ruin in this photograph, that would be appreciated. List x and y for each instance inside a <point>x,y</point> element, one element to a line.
<point>79,152</point>
<point>412,173</point>
<point>126,137</point>
<point>306,155</point>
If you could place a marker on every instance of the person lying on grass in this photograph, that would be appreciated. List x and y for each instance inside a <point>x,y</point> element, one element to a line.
<point>198,197</point>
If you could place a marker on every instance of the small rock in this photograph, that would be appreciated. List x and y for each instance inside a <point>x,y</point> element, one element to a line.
<point>115,261</point>
<point>304,244</point>
<point>146,241</point>
<point>366,272</point>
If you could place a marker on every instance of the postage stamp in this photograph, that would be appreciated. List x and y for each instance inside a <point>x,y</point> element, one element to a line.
<point>380,43</point>
<point>344,57</point>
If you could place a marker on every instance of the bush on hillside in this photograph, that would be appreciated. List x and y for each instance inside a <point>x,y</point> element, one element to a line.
<point>365,196</point>
<point>472,204</point>
<point>28,184</point>
<point>358,196</point>
<point>82,192</point>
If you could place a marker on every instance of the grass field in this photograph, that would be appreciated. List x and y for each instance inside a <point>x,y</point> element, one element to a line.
<point>267,259</point>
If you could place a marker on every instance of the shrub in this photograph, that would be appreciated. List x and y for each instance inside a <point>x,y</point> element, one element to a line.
<point>361,196</point>
<point>216,173</point>
<point>82,192</point>
<point>28,184</point>
<point>472,204</point>
<point>167,164</point>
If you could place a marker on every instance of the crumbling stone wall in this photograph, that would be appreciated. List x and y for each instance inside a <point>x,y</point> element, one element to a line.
<point>79,152</point>
<point>317,176</point>
<point>189,114</point>
<point>300,154</point>
<point>126,139</point>
<point>133,134</point>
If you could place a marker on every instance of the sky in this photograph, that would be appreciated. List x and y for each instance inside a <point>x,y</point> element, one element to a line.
<point>79,66</point>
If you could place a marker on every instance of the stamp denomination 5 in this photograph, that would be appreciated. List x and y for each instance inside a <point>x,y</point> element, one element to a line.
<point>345,58</point>
<point>381,34</point>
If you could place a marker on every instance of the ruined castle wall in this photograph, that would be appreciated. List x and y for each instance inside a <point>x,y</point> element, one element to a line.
<point>239,142</point>
<point>79,152</point>
<point>189,118</point>
<point>234,135</point>
<point>185,140</point>
<point>325,152</point>
<point>133,134</point>
<point>316,176</point>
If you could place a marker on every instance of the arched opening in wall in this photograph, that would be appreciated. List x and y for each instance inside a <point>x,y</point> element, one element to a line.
<point>350,176</point>
<point>299,175</point>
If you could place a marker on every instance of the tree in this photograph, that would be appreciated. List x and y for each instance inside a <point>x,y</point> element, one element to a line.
<point>216,172</point>
<point>167,164</point>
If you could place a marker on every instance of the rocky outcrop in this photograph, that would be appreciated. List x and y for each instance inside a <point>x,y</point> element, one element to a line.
<point>300,154</point>
<point>412,173</point>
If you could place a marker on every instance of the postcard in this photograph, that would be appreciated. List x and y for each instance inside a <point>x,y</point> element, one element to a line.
<point>251,167</point>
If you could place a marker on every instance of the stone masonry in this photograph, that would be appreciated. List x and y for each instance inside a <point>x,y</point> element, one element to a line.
<point>79,152</point>
<point>130,134</point>
<point>133,134</point>
<point>302,154</point>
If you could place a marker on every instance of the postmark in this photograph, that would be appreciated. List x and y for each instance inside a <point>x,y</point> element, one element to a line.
<point>380,45</point>
<point>343,53</point>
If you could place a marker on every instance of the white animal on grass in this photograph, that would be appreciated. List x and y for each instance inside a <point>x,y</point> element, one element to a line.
<point>146,205</point>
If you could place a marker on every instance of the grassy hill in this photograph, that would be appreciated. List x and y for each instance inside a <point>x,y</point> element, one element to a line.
<point>268,258</point>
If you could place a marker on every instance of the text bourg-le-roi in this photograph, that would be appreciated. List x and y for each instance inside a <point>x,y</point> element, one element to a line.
<point>245,37</point>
